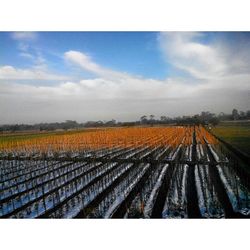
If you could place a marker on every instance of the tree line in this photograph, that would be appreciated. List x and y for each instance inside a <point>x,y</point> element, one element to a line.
<point>205,118</point>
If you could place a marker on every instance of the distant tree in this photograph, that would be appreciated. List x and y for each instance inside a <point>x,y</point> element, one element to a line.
<point>242,115</point>
<point>144,119</point>
<point>214,121</point>
<point>68,124</point>
<point>248,114</point>
<point>235,114</point>
<point>152,120</point>
<point>15,127</point>
<point>163,118</point>
<point>152,117</point>
<point>111,123</point>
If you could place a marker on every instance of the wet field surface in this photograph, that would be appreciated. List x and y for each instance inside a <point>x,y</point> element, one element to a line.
<point>192,179</point>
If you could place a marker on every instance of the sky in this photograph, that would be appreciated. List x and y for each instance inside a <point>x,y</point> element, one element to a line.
<point>83,76</point>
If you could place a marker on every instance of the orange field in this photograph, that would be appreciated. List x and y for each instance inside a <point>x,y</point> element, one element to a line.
<point>110,138</point>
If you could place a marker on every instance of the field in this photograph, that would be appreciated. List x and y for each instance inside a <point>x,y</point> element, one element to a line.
<point>22,136</point>
<point>140,172</point>
<point>235,133</point>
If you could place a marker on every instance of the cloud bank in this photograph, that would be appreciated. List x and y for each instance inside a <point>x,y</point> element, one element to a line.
<point>214,77</point>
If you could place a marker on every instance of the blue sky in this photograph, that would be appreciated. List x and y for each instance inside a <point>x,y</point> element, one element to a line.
<point>134,52</point>
<point>54,76</point>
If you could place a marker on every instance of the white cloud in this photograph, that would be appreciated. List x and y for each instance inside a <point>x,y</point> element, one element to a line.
<point>85,62</point>
<point>29,50</point>
<point>23,46</point>
<point>24,36</point>
<point>183,50</point>
<point>9,73</point>
<point>112,84</point>
<point>26,55</point>
<point>95,99</point>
